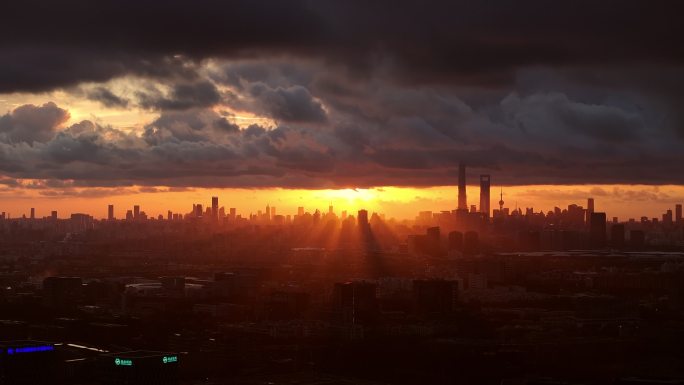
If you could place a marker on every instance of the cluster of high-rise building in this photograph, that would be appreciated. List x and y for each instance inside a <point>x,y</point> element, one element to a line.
<point>572,227</point>
<point>210,295</point>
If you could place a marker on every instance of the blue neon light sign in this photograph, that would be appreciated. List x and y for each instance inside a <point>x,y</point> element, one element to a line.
<point>30,349</point>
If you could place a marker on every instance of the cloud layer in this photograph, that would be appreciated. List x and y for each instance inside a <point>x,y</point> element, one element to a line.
<point>357,94</point>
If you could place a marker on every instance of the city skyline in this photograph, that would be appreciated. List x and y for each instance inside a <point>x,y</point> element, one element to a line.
<point>352,200</point>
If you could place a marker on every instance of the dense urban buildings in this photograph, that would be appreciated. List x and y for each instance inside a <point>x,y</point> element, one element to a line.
<point>216,294</point>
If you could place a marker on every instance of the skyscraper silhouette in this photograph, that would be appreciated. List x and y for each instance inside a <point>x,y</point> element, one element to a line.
<point>597,230</point>
<point>362,218</point>
<point>214,207</point>
<point>484,195</point>
<point>110,212</point>
<point>462,200</point>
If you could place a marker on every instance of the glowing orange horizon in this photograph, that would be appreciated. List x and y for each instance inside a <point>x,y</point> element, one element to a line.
<point>623,201</point>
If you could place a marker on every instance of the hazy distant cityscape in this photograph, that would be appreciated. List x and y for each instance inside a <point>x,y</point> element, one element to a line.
<point>574,227</point>
<point>211,296</point>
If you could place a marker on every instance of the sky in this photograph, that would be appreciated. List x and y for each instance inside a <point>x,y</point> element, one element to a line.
<point>368,104</point>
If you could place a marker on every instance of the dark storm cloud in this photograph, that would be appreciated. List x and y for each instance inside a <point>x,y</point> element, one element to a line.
<point>182,96</point>
<point>200,147</point>
<point>59,43</point>
<point>224,125</point>
<point>107,97</point>
<point>553,115</point>
<point>292,104</point>
<point>360,93</point>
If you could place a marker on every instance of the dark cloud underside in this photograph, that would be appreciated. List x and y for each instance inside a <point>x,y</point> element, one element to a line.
<point>361,93</point>
<point>59,43</point>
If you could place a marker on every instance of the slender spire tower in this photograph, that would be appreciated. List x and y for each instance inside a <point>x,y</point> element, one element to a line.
<point>501,201</point>
<point>462,201</point>
<point>484,195</point>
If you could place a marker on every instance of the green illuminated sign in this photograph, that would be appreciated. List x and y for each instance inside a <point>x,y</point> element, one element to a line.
<point>123,362</point>
<point>169,359</point>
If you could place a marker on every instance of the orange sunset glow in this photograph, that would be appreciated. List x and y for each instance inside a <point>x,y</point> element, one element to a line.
<point>622,201</point>
<point>340,192</point>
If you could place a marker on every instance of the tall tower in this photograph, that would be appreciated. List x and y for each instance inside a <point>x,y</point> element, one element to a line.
<point>110,212</point>
<point>501,202</point>
<point>214,207</point>
<point>462,201</point>
<point>590,209</point>
<point>484,195</point>
<point>362,218</point>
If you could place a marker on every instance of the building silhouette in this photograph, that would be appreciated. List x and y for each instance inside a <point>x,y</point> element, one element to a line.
<point>617,236</point>
<point>597,230</point>
<point>362,218</point>
<point>434,296</point>
<point>455,241</point>
<point>462,200</point>
<point>214,207</point>
<point>590,209</point>
<point>355,302</point>
<point>637,239</point>
<point>471,242</point>
<point>484,195</point>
